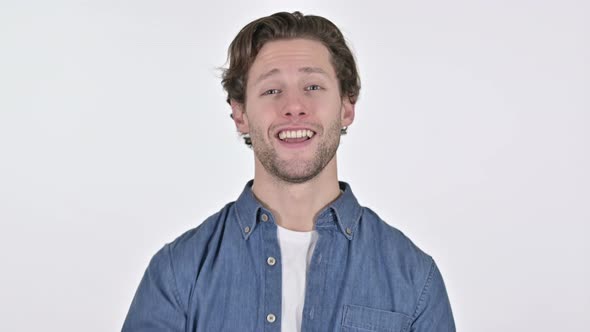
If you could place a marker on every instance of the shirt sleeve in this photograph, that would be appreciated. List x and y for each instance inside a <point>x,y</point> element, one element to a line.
<point>156,305</point>
<point>433,313</point>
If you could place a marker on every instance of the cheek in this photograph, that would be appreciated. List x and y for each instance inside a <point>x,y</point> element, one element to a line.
<point>329,110</point>
<point>258,123</point>
<point>329,101</point>
<point>261,110</point>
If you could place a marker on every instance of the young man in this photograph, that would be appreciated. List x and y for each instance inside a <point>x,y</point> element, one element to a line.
<point>295,252</point>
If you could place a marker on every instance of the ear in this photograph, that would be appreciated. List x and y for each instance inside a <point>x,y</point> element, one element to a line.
<point>239,116</point>
<point>347,112</point>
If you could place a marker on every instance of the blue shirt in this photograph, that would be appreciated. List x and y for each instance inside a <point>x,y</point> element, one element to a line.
<point>364,275</point>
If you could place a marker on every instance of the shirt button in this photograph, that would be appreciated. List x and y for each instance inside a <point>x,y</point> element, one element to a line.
<point>247,229</point>
<point>348,231</point>
<point>264,217</point>
<point>271,261</point>
<point>271,318</point>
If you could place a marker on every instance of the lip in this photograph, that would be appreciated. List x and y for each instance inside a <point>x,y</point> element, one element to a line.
<point>296,145</point>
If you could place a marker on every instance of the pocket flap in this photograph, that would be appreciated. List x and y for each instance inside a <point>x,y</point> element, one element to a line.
<point>370,319</point>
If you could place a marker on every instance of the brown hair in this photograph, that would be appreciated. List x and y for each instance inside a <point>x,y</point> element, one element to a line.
<point>283,25</point>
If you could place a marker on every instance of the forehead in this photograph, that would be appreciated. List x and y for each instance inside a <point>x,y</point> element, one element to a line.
<point>292,54</point>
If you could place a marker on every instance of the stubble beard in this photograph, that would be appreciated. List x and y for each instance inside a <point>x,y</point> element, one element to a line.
<point>297,170</point>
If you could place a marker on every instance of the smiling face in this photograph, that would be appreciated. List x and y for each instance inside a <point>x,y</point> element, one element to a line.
<point>293,109</point>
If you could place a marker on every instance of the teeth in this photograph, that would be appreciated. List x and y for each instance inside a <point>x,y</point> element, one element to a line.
<point>296,134</point>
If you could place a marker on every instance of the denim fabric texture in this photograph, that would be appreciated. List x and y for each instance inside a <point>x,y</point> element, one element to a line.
<point>364,275</point>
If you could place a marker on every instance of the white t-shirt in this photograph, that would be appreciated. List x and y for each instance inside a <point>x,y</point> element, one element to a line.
<point>296,251</point>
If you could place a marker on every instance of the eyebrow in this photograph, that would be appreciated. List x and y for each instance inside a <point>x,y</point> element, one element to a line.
<point>306,70</point>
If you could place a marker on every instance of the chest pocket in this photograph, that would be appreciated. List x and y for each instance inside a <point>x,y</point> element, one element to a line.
<point>361,319</point>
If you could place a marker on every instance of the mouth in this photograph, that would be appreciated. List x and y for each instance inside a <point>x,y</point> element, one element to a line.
<point>295,136</point>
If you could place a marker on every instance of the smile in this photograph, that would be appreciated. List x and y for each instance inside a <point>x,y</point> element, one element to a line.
<point>295,135</point>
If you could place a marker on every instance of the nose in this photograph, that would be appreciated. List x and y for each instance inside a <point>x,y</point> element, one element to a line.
<point>294,106</point>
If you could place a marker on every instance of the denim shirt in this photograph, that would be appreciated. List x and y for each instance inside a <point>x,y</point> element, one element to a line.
<point>364,275</point>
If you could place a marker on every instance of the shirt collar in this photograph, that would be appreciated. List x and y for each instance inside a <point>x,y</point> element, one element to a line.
<point>345,212</point>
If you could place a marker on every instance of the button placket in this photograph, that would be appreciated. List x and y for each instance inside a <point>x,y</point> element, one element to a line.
<point>272,272</point>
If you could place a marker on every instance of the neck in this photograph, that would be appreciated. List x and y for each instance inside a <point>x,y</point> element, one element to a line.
<point>296,205</point>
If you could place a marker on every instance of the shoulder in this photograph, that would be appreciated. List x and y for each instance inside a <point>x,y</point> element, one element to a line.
<point>397,250</point>
<point>198,239</point>
<point>184,256</point>
<point>414,272</point>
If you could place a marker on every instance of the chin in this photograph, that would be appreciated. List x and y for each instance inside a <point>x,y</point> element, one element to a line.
<point>298,174</point>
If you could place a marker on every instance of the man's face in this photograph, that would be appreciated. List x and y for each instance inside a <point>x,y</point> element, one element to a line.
<point>293,110</point>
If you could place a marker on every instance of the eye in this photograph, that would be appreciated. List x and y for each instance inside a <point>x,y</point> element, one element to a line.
<point>271,92</point>
<point>313,87</point>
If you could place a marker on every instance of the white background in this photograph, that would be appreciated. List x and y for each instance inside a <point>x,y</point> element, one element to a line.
<point>471,136</point>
